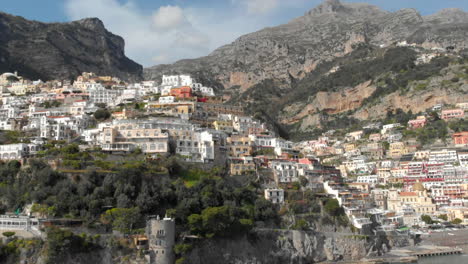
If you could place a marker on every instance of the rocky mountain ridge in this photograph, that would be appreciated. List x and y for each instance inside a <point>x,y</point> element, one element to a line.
<point>329,62</point>
<point>330,30</point>
<point>62,50</point>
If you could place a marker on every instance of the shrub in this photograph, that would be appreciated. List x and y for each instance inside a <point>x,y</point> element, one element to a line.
<point>301,224</point>
<point>8,234</point>
<point>333,208</point>
<point>102,114</point>
<point>427,219</point>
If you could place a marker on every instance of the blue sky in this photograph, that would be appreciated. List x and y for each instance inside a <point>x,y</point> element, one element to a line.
<point>163,31</point>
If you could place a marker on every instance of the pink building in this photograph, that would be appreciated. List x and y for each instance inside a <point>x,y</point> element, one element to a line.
<point>308,161</point>
<point>452,113</point>
<point>419,122</point>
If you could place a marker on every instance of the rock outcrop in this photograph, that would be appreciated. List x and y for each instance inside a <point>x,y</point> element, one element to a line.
<point>268,246</point>
<point>62,50</point>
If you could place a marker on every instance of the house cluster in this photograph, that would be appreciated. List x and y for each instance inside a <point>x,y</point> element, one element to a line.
<point>376,174</point>
<point>390,178</point>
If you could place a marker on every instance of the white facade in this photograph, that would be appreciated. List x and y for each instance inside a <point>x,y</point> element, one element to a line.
<point>199,147</point>
<point>275,196</point>
<point>206,91</point>
<point>285,171</point>
<point>370,179</point>
<point>443,156</point>
<point>463,159</point>
<point>103,95</point>
<point>17,151</point>
<point>177,80</point>
<point>166,99</point>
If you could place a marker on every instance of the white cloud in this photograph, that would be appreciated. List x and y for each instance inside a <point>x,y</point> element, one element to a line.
<point>173,32</point>
<point>169,17</point>
<point>162,36</point>
<point>261,6</point>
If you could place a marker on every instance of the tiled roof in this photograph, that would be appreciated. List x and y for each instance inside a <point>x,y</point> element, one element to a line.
<point>408,194</point>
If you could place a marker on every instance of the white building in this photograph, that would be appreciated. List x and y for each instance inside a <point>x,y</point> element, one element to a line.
<point>198,147</point>
<point>205,91</point>
<point>124,138</point>
<point>99,94</point>
<point>17,151</point>
<point>285,171</point>
<point>177,80</point>
<point>370,179</point>
<point>444,156</point>
<point>389,127</point>
<point>275,196</point>
<point>166,99</point>
<point>463,158</point>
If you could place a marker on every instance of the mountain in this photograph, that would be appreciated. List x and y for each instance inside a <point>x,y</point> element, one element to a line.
<point>289,51</point>
<point>265,69</point>
<point>62,50</point>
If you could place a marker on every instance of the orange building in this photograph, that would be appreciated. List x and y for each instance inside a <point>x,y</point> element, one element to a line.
<point>182,92</point>
<point>460,138</point>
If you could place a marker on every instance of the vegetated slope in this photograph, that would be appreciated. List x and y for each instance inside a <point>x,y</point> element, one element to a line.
<point>62,50</point>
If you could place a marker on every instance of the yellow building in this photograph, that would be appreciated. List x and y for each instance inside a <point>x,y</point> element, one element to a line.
<point>458,212</point>
<point>239,146</point>
<point>418,199</point>
<point>349,147</point>
<point>397,149</point>
<point>223,125</point>
<point>242,168</point>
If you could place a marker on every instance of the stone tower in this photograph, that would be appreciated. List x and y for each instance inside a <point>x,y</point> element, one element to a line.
<point>161,236</point>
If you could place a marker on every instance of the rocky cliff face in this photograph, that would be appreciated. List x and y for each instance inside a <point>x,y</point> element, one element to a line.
<point>62,50</point>
<point>289,246</point>
<point>449,86</point>
<point>332,29</point>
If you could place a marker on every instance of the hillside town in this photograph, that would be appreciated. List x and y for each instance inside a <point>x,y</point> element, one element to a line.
<point>383,172</point>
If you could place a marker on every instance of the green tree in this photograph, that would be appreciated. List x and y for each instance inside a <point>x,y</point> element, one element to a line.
<point>122,219</point>
<point>333,208</point>
<point>61,241</point>
<point>8,234</point>
<point>264,210</point>
<point>303,180</point>
<point>459,125</point>
<point>223,221</point>
<point>195,222</point>
<point>457,221</point>
<point>301,224</point>
<point>70,149</point>
<point>102,114</point>
<point>443,217</point>
<point>427,219</point>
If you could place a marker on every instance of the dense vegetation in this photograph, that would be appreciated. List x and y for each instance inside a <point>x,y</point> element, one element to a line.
<point>122,198</point>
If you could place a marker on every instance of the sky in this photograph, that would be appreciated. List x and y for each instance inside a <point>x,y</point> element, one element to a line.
<point>164,31</point>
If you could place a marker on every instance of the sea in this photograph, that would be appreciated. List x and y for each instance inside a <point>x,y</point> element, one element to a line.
<point>450,259</point>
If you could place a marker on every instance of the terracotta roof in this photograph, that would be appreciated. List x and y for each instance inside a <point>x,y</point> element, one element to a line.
<point>408,194</point>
